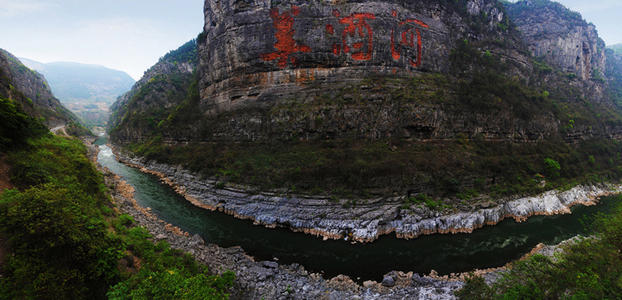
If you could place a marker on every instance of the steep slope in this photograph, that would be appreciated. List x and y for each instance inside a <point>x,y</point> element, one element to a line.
<point>561,38</point>
<point>30,90</point>
<point>15,124</point>
<point>440,99</point>
<point>157,95</point>
<point>87,90</point>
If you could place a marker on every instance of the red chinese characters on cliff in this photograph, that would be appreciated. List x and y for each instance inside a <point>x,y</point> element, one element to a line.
<point>357,37</point>
<point>408,29</point>
<point>354,34</point>
<point>285,43</point>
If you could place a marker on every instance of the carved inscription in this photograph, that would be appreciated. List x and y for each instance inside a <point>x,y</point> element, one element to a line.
<point>357,37</point>
<point>407,40</point>
<point>355,34</point>
<point>285,43</point>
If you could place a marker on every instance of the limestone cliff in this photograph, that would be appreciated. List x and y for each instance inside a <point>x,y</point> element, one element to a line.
<point>561,38</point>
<point>262,51</point>
<point>38,101</point>
<point>399,98</point>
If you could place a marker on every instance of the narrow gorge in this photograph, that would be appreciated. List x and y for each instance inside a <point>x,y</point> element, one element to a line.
<point>377,122</point>
<point>443,118</point>
<point>355,120</point>
<point>311,149</point>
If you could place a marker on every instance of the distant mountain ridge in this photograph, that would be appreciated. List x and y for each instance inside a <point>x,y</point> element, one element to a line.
<point>72,81</point>
<point>617,48</point>
<point>31,92</point>
<point>87,90</point>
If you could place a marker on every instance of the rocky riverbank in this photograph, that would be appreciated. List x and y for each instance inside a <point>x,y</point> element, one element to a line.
<point>365,221</point>
<point>270,280</point>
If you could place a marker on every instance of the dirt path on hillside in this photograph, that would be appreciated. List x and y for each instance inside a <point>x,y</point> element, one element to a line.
<point>59,130</point>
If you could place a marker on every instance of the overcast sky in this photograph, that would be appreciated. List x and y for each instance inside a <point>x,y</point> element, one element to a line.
<point>128,35</point>
<point>131,35</point>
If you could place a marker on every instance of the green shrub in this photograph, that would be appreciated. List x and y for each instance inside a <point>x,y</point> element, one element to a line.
<point>15,125</point>
<point>59,243</point>
<point>167,273</point>
<point>66,242</point>
<point>552,167</point>
<point>591,160</point>
<point>588,269</point>
<point>475,288</point>
<point>173,284</point>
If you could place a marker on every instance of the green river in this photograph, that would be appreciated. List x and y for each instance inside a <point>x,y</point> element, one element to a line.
<point>491,246</point>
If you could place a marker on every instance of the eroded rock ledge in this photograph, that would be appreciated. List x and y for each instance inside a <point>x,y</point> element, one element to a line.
<point>364,222</point>
<point>270,280</point>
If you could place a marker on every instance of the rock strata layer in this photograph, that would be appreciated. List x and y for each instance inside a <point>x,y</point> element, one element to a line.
<point>259,51</point>
<point>367,220</point>
<point>270,280</point>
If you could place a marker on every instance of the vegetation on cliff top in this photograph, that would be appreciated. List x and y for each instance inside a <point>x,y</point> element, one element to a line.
<point>187,53</point>
<point>587,269</point>
<point>63,236</point>
<point>145,106</point>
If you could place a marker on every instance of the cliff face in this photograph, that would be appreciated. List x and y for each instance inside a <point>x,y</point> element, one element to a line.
<point>370,70</point>
<point>427,96</point>
<point>561,38</point>
<point>38,101</point>
<point>260,51</point>
<point>614,75</point>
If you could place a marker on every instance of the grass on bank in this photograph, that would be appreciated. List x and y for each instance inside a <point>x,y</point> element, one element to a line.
<point>588,269</point>
<point>64,240</point>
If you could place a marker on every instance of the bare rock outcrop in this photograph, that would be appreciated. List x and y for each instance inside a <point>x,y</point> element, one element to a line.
<point>262,51</point>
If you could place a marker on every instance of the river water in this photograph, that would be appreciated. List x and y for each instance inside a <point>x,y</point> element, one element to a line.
<point>491,246</point>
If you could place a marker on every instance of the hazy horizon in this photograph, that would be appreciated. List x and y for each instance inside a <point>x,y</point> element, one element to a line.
<point>131,36</point>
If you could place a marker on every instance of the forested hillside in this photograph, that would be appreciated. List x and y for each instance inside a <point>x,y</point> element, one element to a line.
<point>61,236</point>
